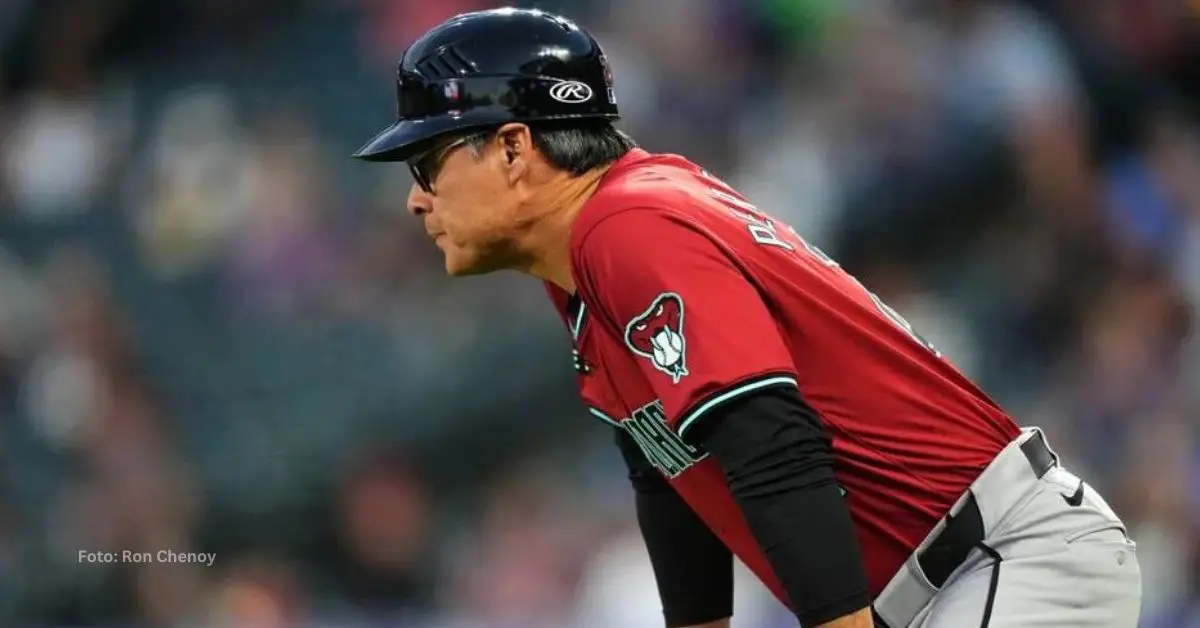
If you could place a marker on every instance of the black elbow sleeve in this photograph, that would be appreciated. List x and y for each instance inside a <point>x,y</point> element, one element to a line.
<point>692,567</point>
<point>778,461</point>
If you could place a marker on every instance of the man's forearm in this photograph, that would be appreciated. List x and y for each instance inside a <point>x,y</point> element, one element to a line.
<point>693,568</point>
<point>778,462</point>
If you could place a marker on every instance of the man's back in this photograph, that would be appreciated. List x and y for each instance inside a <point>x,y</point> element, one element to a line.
<point>910,433</point>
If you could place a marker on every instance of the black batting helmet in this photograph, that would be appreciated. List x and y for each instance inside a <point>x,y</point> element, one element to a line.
<point>487,68</point>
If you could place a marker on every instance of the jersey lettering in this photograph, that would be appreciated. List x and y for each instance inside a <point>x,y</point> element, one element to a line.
<point>762,229</point>
<point>765,232</point>
<point>660,444</point>
<point>902,323</point>
<point>818,253</point>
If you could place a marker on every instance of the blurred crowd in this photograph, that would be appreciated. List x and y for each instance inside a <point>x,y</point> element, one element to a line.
<point>219,334</point>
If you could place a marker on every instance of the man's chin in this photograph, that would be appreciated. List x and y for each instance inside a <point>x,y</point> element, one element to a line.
<point>464,263</point>
<point>456,268</point>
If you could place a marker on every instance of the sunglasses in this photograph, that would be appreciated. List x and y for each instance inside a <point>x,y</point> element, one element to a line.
<point>426,166</point>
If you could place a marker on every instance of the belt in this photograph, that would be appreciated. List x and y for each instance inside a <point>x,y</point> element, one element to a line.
<point>964,528</point>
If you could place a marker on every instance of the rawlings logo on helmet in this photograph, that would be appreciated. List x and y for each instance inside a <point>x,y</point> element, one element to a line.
<point>657,335</point>
<point>571,92</point>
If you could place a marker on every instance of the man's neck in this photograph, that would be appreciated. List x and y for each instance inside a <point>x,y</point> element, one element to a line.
<point>547,244</point>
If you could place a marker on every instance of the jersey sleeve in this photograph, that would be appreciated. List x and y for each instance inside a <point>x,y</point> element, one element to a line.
<point>695,325</point>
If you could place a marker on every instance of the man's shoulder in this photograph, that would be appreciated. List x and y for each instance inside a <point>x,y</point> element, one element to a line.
<point>635,222</point>
<point>662,192</point>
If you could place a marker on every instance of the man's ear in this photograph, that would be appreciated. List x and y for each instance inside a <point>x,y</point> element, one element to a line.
<point>516,145</point>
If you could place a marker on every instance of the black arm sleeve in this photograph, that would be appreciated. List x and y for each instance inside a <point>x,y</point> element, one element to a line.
<point>693,568</point>
<point>778,461</point>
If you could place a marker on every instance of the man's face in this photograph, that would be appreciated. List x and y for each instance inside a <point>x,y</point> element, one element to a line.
<point>468,204</point>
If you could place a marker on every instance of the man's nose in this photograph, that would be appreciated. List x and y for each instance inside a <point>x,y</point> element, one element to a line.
<point>419,201</point>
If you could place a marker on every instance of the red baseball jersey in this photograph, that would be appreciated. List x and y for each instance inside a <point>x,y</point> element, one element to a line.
<point>688,297</point>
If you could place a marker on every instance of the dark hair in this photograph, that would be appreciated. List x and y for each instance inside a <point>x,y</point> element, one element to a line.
<point>571,145</point>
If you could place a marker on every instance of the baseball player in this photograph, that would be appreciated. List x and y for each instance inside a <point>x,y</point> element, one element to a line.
<point>769,406</point>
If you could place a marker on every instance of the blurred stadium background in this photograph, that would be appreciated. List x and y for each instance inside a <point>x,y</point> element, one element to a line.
<point>219,334</point>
